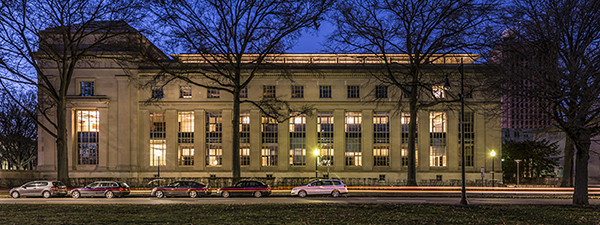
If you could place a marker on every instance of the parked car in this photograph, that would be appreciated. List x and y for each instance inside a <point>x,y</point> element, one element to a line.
<point>108,189</point>
<point>245,188</point>
<point>333,187</point>
<point>43,188</point>
<point>181,188</point>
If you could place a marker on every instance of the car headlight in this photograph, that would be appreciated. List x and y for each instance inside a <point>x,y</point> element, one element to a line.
<point>219,191</point>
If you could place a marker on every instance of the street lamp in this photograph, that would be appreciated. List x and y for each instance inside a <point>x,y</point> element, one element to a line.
<point>493,154</point>
<point>158,154</point>
<point>317,153</point>
<point>463,191</point>
<point>518,161</point>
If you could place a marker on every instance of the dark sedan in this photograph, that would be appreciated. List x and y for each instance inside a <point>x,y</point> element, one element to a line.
<point>181,188</point>
<point>108,189</point>
<point>245,188</point>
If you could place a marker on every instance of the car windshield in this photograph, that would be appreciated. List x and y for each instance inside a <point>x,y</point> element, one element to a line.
<point>92,185</point>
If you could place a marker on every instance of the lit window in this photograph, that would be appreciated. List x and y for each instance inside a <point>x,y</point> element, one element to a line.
<point>186,138</point>
<point>157,92</point>
<point>158,141</point>
<point>87,137</point>
<point>381,91</point>
<point>353,149</point>
<point>297,91</point>
<point>269,91</point>
<point>381,139</point>
<point>87,88</point>
<point>325,138</point>
<point>245,138</point>
<point>213,93</point>
<point>185,92</point>
<point>269,150</point>
<point>405,120</point>
<point>353,91</point>
<point>298,140</point>
<point>325,91</point>
<point>437,144</point>
<point>439,92</point>
<point>214,139</point>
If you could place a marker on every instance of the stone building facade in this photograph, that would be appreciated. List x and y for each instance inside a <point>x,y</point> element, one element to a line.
<point>356,127</point>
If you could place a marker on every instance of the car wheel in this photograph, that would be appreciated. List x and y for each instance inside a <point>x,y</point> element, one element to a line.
<point>193,194</point>
<point>75,194</point>
<point>109,194</point>
<point>225,194</point>
<point>160,194</point>
<point>335,194</point>
<point>302,194</point>
<point>15,194</point>
<point>46,194</point>
<point>257,194</point>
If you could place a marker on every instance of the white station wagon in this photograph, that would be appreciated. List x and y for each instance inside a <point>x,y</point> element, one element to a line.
<point>333,187</point>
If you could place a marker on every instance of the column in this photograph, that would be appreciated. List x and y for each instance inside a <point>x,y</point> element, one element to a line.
<point>339,139</point>
<point>367,140</point>
<point>199,139</point>
<point>255,139</point>
<point>395,141</point>
<point>424,121</point>
<point>172,129</point>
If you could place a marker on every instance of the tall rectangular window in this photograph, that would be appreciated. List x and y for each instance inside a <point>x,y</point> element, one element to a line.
<point>244,92</point>
<point>381,139</point>
<point>87,136</point>
<point>405,120</point>
<point>297,91</point>
<point>158,139</point>
<point>325,91</point>
<point>214,138</point>
<point>269,91</point>
<point>298,140</point>
<point>469,139</point>
<point>245,138</point>
<point>87,88</point>
<point>439,91</point>
<point>353,149</point>
<point>185,91</point>
<point>157,92</point>
<point>353,91</point>
<point>270,136</point>
<point>186,138</point>
<point>213,93</point>
<point>381,91</point>
<point>437,140</point>
<point>325,138</point>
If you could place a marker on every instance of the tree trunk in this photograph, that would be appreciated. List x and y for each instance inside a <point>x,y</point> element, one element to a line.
<point>62,154</point>
<point>567,179</point>
<point>580,193</point>
<point>411,178</point>
<point>235,121</point>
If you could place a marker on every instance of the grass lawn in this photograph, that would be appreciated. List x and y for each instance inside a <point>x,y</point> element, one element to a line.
<point>298,214</point>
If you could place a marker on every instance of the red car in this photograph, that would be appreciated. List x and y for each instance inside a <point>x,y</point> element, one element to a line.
<point>245,188</point>
<point>181,188</point>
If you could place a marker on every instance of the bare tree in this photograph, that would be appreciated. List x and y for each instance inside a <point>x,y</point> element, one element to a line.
<point>44,42</point>
<point>18,131</point>
<point>558,44</point>
<point>423,32</point>
<point>234,41</point>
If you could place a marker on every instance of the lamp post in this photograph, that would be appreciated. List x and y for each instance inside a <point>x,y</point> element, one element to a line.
<point>317,153</point>
<point>158,154</point>
<point>463,191</point>
<point>518,161</point>
<point>493,154</point>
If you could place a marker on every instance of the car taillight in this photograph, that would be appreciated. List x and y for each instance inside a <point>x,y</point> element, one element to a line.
<point>121,189</point>
<point>53,189</point>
